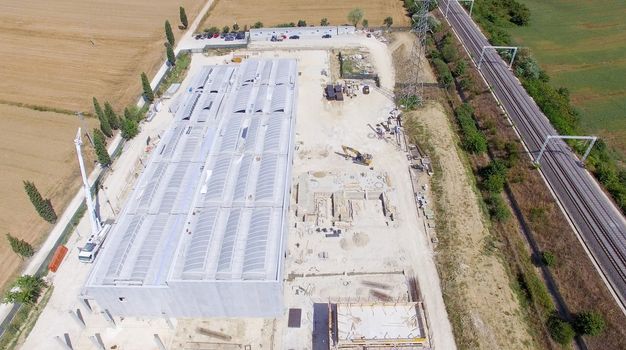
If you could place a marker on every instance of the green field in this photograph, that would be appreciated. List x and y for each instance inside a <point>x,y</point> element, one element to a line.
<point>582,46</point>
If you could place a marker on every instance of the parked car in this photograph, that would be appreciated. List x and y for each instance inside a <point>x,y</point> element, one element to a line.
<point>216,35</point>
<point>229,38</point>
<point>294,37</point>
<point>240,35</point>
<point>198,36</point>
<point>326,36</point>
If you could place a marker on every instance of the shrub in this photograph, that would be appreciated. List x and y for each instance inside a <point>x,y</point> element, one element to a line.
<point>561,331</point>
<point>449,53</point>
<point>498,210</point>
<point>324,22</point>
<point>548,259</point>
<point>301,23</point>
<point>26,290</point>
<point>589,323</point>
<point>460,68</point>
<point>235,27</point>
<point>473,140</point>
<point>258,25</point>
<point>520,14</point>
<point>388,22</point>
<point>226,29</point>
<point>130,128</point>
<point>494,176</point>
<point>443,72</point>
<point>365,23</point>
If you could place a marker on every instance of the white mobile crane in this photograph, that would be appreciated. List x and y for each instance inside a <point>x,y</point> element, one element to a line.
<point>89,251</point>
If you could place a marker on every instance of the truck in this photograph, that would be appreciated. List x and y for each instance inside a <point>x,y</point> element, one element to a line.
<point>87,254</point>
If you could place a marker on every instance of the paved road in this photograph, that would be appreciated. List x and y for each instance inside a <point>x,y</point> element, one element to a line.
<point>600,224</point>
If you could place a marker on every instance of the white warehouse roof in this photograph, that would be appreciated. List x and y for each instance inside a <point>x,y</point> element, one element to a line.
<point>211,204</point>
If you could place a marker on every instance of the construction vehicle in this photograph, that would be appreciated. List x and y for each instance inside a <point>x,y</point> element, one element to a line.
<point>357,157</point>
<point>89,251</point>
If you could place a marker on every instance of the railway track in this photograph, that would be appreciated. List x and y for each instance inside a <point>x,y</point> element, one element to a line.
<point>598,222</point>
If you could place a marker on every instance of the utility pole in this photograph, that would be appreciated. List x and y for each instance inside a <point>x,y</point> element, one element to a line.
<point>415,84</point>
<point>91,210</point>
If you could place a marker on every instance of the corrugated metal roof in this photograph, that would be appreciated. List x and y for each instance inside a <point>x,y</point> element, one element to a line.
<point>211,202</point>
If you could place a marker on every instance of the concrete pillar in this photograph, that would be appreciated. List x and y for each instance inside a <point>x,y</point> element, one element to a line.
<point>158,342</point>
<point>85,303</point>
<point>62,343</point>
<point>77,317</point>
<point>97,341</point>
<point>109,318</point>
<point>168,321</point>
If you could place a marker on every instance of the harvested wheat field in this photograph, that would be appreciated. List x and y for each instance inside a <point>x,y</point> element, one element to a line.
<point>61,54</point>
<point>35,146</point>
<point>273,12</point>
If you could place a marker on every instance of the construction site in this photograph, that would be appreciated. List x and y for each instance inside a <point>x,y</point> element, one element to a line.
<point>261,214</point>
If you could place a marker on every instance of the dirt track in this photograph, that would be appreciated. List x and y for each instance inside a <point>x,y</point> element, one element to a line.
<point>273,12</point>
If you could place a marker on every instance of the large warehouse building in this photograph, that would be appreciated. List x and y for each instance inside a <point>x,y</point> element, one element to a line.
<point>203,233</point>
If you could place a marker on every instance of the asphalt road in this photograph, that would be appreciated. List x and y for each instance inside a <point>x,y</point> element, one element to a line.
<point>598,221</point>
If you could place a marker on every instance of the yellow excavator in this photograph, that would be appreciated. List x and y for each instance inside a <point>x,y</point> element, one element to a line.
<point>357,157</point>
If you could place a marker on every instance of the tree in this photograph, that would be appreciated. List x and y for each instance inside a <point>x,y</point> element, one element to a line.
<point>130,128</point>
<point>20,246</point>
<point>169,51</point>
<point>26,290</point>
<point>258,25</point>
<point>365,23</point>
<point>114,121</point>
<point>301,23</point>
<point>169,34</point>
<point>324,22</point>
<point>99,143</point>
<point>388,22</point>
<point>560,330</point>
<point>226,29</point>
<point>42,206</point>
<point>133,112</point>
<point>449,53</point>
<point>589,323</point>
<point>148,94</point>
<point>355,16</point>
<point>183,18</point>
<point>235,27</point>
<point>105,126</point>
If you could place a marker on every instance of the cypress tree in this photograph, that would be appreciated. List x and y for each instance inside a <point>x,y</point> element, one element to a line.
<point>20,246</point>
<point>171,57</point>
<point>148,94</point>
<point>100,146</point>
<point>169,34</point>
<point>183,17</point>
<point>42,206</point>
<point>114,121</point>
<point>105,126</point>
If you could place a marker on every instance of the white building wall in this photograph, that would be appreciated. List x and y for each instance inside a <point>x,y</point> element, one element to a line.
<point>193,299</point>
<point>264,34</point>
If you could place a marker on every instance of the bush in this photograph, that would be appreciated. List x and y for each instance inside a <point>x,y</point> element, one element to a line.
<point>561,331</point>
<point>324,22</point>
<point>130,128</point>
<point>498,210</point>
<point>301,23</point>
<point>226,29</point>
<point>589,323</point>
<point>449,53</point>
<point>473,140</point>
<point>443,72</point>
<point>235,27</point>
<point>520,14</point>
<point>26,290</point>
<point>494,176</point>
<point>258,25</point>
<point>548,259</point>
<point>460,68</point>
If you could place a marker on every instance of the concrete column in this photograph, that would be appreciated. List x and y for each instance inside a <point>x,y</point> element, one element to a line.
<point>97,341</point>
<point>62,343</point>
<point>77,317</point>
<point>109,318</point>
<point>158,342</point>
<point>85,303</point>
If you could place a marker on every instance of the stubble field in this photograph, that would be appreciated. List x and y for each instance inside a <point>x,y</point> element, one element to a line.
<point>35,146</point>
<point>56,56</point>
<point>273,12</point>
